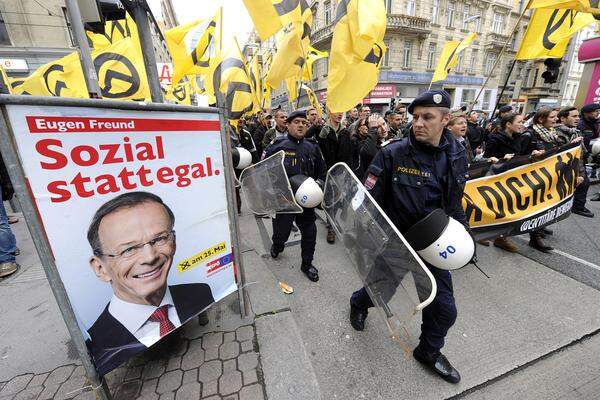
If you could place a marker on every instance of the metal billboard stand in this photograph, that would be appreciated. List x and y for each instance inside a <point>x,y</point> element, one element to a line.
<point>10,155</point>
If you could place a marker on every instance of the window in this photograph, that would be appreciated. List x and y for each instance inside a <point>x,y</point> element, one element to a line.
<point>4,39</point>
<point>327,6</point>
<point>386,56</point>
<point>498,23</point>
<point>459,62</point>
<point>468,95</point>
<point>435,11</point>
<point>450,14</point>
<point>473,62</point>
<point>406,54</point>
<point>431,56</point>
<point>465,21</point>
<point>478,20</point>
<point>487,97</point>
<point>489,63</point>
<point>410,7</point>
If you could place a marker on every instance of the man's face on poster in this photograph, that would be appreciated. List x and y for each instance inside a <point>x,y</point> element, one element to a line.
<point>137,248</point>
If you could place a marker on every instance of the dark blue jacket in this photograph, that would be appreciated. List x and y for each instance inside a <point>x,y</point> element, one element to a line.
<point>410,179</point>
<point>301,156</point>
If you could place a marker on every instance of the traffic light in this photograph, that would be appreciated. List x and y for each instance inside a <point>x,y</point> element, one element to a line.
<point>552,69</point>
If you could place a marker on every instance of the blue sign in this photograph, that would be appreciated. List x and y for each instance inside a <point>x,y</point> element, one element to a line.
<point>425,78</point>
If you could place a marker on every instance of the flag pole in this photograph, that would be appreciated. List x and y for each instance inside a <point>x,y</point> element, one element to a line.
<point>499,57</point>
<point>504,87</point>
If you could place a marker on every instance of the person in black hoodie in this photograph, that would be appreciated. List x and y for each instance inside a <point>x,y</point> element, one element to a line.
<point>588,125</point>
<point>475,133</point>
<point>368,147</point>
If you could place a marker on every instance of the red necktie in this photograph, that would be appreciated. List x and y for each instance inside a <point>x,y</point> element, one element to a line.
<point>161,315</point>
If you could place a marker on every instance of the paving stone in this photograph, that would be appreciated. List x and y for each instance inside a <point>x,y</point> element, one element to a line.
<point>229,350</point>
<point>193,330</point>
<point>31,393</point>
<point>190,376</point>
<point>209,371</point>
<point>190,391</point>
<point>79,370</point>
<point>154,369</point>
<point>60,375</point>
<point>254,392</point>
<point>245,333</point>
<point>149,387</point>
<point>231,397</point>
<point>16,384</point>
<point>169,382</point>
<point>210,340</point>
<point>70,388</point>
<point>230,382</point>
<point>247,361</point>
<point>174,363</point>
<point>37,380</point>
<point>212,398</point>
<point>48,392</point>
<point>229,365</point>
<point>115,377</point>
<point>178,347</point>
<point>229,337</point>
<point>88,395</point>
<point>167,396</point>
<point>194,356</point>
<point>128,390</point>
<point>250,377</point>
<point>247,346</point>
<point>133,373</point>
<point>210,388</point>
<point>149,396</point>
<point>211,354</point>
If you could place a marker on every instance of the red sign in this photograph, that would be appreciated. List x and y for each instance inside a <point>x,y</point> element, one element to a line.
<point>322,96</point>
<point>383,91</point>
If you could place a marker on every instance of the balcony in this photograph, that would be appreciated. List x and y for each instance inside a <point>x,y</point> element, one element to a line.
<point>408,24</point>
<point>322,35</point>
<point>495,41</point>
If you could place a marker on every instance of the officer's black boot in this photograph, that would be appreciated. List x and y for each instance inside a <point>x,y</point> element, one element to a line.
<point>276,249</point>
<point>310,271</point>
<point>358,316</point>
<point>437,363</point>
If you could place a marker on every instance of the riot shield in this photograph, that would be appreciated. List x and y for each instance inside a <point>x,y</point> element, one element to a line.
<point>396,279</point>
<point>266,187</point>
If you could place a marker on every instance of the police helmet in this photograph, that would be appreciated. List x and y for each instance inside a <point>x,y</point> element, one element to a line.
<point>241,157</point>
<point>595,146</point>
<point>442,241</point>
<point>307,191</point>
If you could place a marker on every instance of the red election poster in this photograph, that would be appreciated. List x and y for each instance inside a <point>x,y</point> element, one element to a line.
<point>134,207</point>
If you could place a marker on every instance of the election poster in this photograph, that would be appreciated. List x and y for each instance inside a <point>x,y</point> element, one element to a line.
<point>133,204</point>
<point>525,197</point>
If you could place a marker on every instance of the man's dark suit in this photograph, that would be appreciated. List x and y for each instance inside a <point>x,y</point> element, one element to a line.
<point>112,344</point>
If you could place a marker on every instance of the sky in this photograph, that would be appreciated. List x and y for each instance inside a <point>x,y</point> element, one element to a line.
<point>236,21</point>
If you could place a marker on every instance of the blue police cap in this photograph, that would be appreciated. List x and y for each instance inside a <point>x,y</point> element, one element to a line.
<point>431,98</point>
<point>590,108</point>
<point>296,114</point>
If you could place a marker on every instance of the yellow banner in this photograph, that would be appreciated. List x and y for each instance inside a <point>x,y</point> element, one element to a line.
<point>531,190</point>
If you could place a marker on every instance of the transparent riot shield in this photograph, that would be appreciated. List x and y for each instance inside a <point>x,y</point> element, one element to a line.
<point>396,279</point>
<point>266,187</point>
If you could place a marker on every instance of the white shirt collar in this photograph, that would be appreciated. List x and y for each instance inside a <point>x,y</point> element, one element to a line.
<point>133,316</point>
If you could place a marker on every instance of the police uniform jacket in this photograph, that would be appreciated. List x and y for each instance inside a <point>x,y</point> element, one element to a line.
<point>302,156</point>
<point>410,179</point>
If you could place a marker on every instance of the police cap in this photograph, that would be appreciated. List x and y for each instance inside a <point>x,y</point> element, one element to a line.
<point>505,109</point>
<point>295,114</point>
<point>590,108</point>
<point>431,98</point>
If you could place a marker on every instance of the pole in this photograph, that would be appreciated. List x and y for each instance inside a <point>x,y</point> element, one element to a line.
<point>504,87</point>
<point>17,177</point>
<point>85,55</point>
<point>141,20</point>
<point>499,57</point>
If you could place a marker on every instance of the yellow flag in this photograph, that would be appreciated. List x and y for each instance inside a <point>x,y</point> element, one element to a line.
<point>311,56</point>
<point>312,98</point>
<point>291,85</point>
<point>549,32</point>
<point>579,5</point>
<point>288,61</point>
<point>356,52</point>
<point>114,32</point>
<point>191,46</point>
<point>255,78</point>
<point>121,72</point>
<point>266,95</point>
<point>5,87</point>
<point>180,94</point>
<point>449,57</point>
<point>269,16</point>
<point>229,82</point>
<point>61,78</point>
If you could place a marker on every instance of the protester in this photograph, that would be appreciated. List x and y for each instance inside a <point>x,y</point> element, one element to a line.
<point>314,123</point>
<point>279,130</point>
<point>458,127</point>
<point>351,117</point>
<point>395,124</point>
<point>589,125</point>
<point>301,157</point>
<point>358,141</point>
<point>368,147</point>
<point>8,243</point>
<point>475,133</point>
<point>429,151</point>
<point>264,122</point>
<point>365,112</point>
<point>495,124</point>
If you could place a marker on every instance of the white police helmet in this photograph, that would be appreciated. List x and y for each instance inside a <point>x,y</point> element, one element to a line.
<point>306,190</point>
<point>595,145</point>
<point>241,157</point>
<point>442,241</point>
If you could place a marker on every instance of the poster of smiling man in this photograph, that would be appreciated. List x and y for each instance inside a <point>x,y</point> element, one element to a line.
<point>134,206</point>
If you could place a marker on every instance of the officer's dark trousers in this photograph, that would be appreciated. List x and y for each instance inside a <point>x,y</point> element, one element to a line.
<point>438,317</point>
<point>579,197</point>
<point>282,226</point>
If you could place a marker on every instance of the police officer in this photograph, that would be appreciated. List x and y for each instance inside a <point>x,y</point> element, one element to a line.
<point>302,156</point>
<point>409,178</point>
